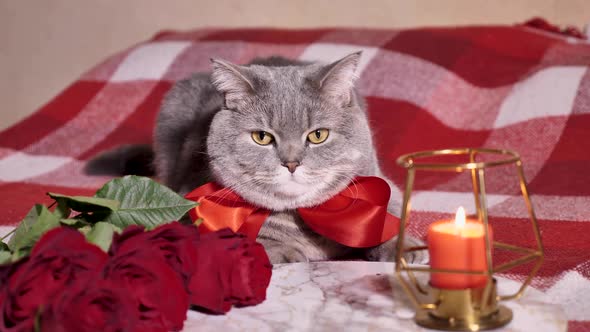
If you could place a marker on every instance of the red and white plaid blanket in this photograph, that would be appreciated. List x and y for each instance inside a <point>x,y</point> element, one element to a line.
<point>501,87</point>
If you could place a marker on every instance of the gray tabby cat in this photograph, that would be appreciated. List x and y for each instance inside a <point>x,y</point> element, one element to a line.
<point>282,134</point>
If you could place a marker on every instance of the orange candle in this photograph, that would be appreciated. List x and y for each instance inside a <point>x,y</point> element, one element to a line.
<point>457,245</point>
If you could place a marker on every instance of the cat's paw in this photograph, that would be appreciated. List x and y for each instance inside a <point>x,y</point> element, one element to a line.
<point>387,251</point>
<point>281,253</point>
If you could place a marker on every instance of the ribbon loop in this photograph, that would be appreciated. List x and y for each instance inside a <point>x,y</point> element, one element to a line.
<point>356,217</point>
<point>221,208</point>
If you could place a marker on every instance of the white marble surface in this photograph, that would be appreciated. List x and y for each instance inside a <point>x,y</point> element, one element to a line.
<point>355,296</point>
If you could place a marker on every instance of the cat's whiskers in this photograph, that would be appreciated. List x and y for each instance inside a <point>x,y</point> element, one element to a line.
<point>342,177</point>
<point>223,193</point>
<point>351,181</point>
<point>236,187</point>
<point>347,174</point>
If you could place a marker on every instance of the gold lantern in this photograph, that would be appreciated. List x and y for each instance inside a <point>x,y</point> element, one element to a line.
<point>470,309</point>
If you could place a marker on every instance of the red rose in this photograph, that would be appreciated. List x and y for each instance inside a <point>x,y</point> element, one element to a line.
<point>157,288</point>
<point>98,306</point>
<point>61,258</point>
<point>231,270</point>
<point>5,272</point>
<point>173,241</point>
<point>223,269</point>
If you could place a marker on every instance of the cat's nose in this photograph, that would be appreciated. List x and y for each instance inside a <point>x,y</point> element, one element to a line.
<point>291,165</point>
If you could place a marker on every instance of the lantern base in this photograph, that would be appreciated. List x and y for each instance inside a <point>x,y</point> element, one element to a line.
<point>461,310</point>
<point>500,318</point>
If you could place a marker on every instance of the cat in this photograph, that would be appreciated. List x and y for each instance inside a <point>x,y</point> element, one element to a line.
<point>282,134</point>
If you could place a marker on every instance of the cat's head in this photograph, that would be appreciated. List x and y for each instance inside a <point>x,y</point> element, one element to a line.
<point>289,136</point>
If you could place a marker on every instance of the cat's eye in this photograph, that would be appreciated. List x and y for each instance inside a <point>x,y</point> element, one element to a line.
<point>318,136</point>
<point>262,137</point>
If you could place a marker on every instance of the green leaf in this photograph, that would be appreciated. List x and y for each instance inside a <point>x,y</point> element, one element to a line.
<point>37,321</point>
<point>84,203</point>
<point>101,234</point>
<point>75,222</point>
<point>18,254</point>
<point>198,222</point>
<point>62,211</point>
<point>37,221</point>
<point>5,257</point>
<point>70,221</point>
<point>85,229</point>
<point>143,202</point>
<point>4,247</point>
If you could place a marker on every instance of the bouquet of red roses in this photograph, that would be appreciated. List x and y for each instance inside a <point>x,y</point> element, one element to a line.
<point>83,275</point>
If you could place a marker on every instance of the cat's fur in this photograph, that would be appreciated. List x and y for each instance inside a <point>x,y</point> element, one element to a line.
<point>204,133</point>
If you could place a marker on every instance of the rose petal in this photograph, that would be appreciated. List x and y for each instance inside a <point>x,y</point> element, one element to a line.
<point>174,241</point>
<point>159,290</point>
<point>231,270</point>
<point>100,306</point>
<point>61,258</point>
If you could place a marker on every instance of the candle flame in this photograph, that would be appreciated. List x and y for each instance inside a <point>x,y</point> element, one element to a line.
<point>460,217</point>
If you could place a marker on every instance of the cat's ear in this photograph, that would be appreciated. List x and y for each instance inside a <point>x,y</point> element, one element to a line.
<point>336,80</point>
<point>232,80</point>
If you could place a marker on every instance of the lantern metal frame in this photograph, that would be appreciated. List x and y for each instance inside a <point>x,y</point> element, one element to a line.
<point>469,309</point>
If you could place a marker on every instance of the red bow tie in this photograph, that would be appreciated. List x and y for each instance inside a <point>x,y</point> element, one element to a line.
<point>356,217</point>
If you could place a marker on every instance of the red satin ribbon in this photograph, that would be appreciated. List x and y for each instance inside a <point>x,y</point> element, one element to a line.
<point>356,217</point>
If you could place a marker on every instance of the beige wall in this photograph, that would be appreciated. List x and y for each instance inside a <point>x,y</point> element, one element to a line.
<point>45,44</point>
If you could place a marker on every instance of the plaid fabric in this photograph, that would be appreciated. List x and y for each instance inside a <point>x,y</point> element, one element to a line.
<point>502,87</point>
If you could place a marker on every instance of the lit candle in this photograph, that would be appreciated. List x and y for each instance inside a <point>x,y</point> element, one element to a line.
<point>457,245</point>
